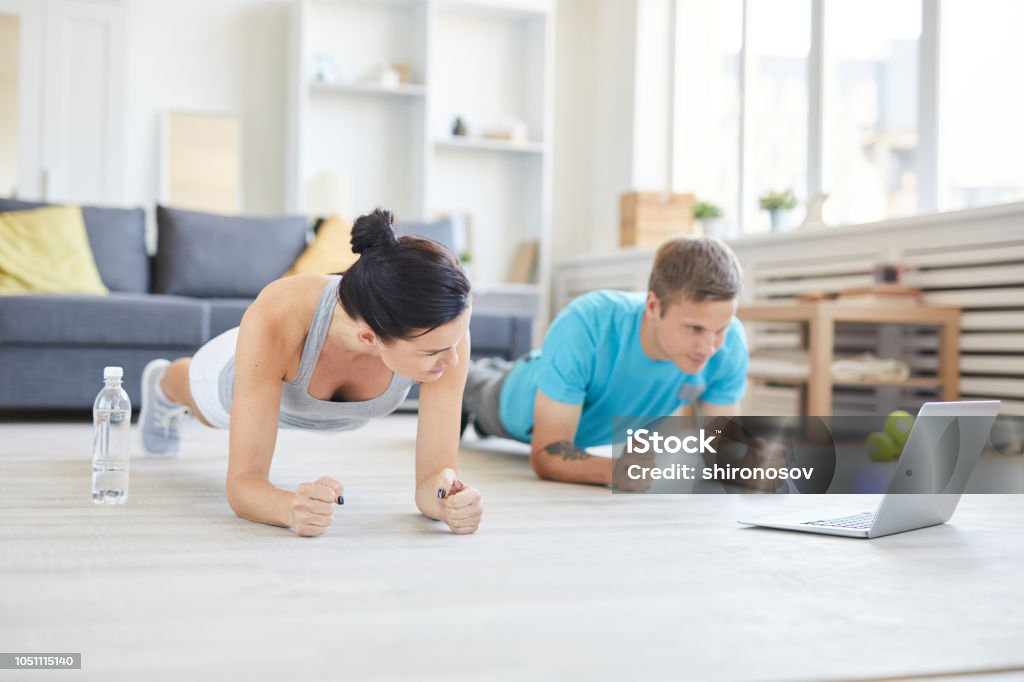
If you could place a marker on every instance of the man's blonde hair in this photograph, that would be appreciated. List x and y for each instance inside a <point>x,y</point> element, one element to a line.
<point>697,269</point>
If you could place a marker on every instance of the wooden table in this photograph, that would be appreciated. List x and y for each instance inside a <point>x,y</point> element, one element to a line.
<point>820,318</point>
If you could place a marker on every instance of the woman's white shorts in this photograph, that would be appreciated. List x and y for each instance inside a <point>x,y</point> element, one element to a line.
<point>204,377</point>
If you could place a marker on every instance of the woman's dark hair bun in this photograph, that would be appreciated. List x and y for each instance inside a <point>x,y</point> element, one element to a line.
<point>374,231</point>
<point>402,287</point>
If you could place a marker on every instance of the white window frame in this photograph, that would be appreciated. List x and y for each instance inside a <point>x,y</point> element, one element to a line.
<point>928,115</point>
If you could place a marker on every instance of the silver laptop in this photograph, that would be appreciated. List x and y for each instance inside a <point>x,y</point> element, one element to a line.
<point>926,485</point>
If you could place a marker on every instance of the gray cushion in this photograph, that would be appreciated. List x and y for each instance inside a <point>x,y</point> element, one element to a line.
<point>226,313</point>
<point>115,320</point>
<point>118,240</point>
<point>495,334</point>
<point>210,255</point>
<point>71,376</point>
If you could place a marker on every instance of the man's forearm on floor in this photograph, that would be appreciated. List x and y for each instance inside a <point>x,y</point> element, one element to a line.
<point>563,461</point>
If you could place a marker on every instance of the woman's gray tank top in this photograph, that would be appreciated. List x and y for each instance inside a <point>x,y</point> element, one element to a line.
<point>300,410</point>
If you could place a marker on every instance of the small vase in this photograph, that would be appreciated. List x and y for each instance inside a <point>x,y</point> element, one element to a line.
<point>779,218</point>
<point>711,227</point>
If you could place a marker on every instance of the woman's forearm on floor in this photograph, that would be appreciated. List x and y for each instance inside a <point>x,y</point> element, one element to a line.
<point>427,500</point>
<point>257,500</point>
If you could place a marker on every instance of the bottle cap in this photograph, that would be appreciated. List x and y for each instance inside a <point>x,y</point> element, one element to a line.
<point>112,372</point>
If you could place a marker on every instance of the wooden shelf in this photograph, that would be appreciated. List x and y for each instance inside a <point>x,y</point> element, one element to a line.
<point>485,144</point>
<point>912,382</point>
<point>847,312</point>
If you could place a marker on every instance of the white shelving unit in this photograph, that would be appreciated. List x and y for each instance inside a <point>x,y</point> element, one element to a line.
<point>363,89</point>
<point>485,61</point>
<point>491,145</point>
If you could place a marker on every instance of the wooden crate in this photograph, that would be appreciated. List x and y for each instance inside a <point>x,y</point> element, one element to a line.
<point>650,218</point>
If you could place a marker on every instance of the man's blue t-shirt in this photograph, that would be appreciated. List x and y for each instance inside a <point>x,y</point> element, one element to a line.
<point>592,357</point>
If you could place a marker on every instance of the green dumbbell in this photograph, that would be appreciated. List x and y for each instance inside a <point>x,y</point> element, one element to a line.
<point>881,447</point>
<point>898,425</point>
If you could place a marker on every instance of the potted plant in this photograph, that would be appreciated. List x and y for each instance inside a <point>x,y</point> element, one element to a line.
<point>778,205</point>
<point>710,217</point>
<point>466,259</point>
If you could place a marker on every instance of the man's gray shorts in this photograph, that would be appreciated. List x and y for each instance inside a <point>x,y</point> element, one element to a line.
<point>482,397</point>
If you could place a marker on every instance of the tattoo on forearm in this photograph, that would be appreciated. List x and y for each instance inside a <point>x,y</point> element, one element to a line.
<point>567,451</point>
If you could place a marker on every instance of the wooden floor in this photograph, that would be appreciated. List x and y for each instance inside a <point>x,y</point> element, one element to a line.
<point>562,582</point>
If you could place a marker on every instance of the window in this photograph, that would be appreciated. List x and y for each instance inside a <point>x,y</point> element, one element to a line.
<point>708,105</point>
<point>982,104</point>
<point>834,95</point>
<point>870,110</point>
<point>776,84</point>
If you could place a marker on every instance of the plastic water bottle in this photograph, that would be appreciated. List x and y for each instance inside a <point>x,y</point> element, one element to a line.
<point>111,419</point>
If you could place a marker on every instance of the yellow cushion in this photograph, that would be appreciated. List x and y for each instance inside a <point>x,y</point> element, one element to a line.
<point>330,252</point>
<point>46,251</point>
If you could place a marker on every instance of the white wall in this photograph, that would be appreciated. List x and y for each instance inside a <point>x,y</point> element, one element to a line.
<point>231,56</point>
<point>651,96</point>
<point>594,122</point>
<point>613,69</point>
<point>208,55</point>
<point>610,116</point>
<point>572,180</point>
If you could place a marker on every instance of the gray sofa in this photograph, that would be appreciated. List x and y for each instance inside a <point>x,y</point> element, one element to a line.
<point>206,272</point>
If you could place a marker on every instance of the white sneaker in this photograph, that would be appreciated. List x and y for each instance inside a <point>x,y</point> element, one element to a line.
<point>160,419</point>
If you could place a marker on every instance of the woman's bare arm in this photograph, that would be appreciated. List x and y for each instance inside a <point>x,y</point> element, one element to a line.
<point>270,340</point>
<point>260,367</point>
<point>440,494</point>
<point>437,432</point>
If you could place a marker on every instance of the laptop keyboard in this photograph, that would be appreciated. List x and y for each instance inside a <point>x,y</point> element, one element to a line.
<point>857,521</point>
